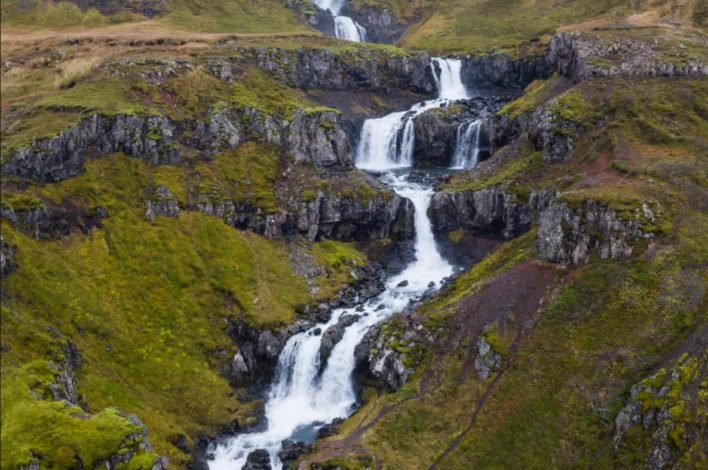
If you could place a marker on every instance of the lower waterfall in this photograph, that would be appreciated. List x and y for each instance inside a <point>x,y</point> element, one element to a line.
<point>300,401</point>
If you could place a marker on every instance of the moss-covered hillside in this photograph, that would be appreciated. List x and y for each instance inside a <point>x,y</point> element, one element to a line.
<point>172,183</point>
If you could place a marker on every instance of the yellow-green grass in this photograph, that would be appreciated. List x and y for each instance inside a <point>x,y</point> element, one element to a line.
<point>501,25</point>
<point>34,426</point>
<point>147,303</point>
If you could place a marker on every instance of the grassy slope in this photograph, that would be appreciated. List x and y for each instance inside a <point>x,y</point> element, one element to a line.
<point>212,16</point>
<point>145,303</point>
<point>611,323</point>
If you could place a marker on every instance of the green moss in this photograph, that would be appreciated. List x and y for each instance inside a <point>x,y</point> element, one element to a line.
<point>146,303</point>
<point>529,101</point>
<point>106,96</point>
<point>55,432</point>
<point>496,341</point>
<point>244,175</point>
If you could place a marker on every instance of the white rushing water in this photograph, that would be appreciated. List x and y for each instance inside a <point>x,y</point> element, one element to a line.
<point>467,148</point>
<point>301,399</point>
<point>386,143</point>
<point>344,26</point>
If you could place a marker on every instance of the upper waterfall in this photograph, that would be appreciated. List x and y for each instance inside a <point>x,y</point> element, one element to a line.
<point>388,142</point>
<point>344,26</point>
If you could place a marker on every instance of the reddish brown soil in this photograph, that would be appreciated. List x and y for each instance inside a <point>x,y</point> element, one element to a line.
<point>516,295</point>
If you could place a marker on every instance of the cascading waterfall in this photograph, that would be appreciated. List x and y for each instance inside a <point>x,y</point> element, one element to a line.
<point>467,148</point>
<point>301,399</point>
<point>386,143</point>
<point>344,26</point>
<point>347,28</point>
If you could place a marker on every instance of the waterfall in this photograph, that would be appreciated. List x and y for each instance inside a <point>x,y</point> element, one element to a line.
<point>467,148</point>
<point>449,81</point>
<point>347,28</point>
<point>344,26</point>
<point>386,143</point>
<point>300,399</point>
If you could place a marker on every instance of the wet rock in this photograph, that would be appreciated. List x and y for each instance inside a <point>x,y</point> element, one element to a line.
<point>270,344</point>
<point>259,459</point>
<point>333,335</point>
<point>570,236</point>
<point>403,283</point>
<point>329,429</point>
<point>320,19</point>
<point>291,451</point>
<point>486,360</point>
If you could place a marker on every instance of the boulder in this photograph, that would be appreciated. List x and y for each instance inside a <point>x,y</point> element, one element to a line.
<point>258,459</point>
<point>333,335</point>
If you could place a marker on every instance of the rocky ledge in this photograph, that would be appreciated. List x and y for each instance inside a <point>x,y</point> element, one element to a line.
<point>567,234</point>
<point>312,135</point>
<point>493,211</point>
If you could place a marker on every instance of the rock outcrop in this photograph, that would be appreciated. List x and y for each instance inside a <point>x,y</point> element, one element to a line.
<point>332,336</point>
<point>390,353</point>
<point>581,56</point>
<point>318,137</point>
<point>327,217</point>
<point>48,223</point>
<point>487,360</point>
<point>358,69</point>
<point>291,451</point>
<point>380,24</point>
<point>499,72</point>
<point>321,20</point>
<point>571,235</point>
<point>161,202</point>
<point>57,158</point>
<point>663,411</point>
<point>7,258</point>
<point>258,459</point>
<point>492,211</point>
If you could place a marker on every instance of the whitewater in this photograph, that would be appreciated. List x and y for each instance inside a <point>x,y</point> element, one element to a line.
<point>301,399</point>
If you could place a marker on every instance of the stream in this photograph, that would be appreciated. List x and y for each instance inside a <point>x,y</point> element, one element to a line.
<point>301,399</point>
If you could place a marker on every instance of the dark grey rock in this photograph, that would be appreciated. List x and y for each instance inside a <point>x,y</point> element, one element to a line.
<point>259,459</point>
<point>57,158</point>
<point>333,335</point>
<point>492,211</point>
<point>291,451</point>
<point>7,258</point>
<point>569,236</point>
